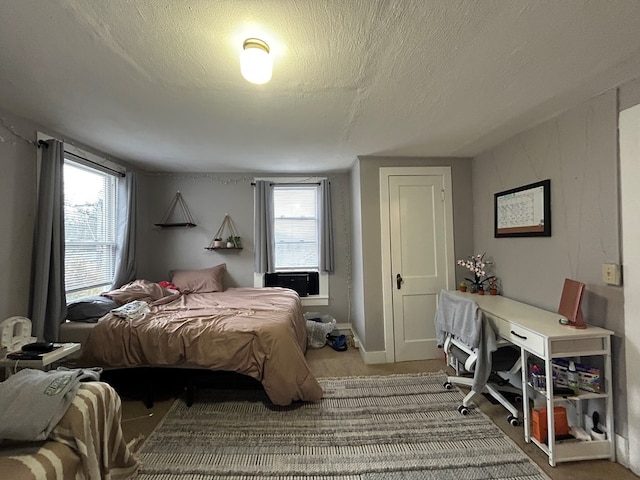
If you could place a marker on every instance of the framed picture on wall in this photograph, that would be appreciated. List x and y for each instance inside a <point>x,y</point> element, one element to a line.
<point>523,211</point>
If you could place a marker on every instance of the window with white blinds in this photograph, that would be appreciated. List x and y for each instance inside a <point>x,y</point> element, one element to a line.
<point>90,229</point>
<point>295,212</point>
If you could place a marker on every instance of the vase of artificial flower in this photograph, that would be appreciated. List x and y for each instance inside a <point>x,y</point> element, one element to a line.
<point>476,264</point>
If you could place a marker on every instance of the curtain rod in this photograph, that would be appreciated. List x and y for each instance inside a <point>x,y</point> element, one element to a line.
<point>42,143</point>
<point>253,184</point>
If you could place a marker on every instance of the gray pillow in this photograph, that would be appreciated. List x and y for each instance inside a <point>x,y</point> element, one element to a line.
<point>89,309</point>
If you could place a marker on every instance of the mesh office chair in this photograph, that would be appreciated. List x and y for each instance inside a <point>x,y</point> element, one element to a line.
<point>472,348</point>
<point>463,360</point>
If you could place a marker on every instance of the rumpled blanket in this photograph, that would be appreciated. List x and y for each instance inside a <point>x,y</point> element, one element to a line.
<point>258,332</point>
<point>32,402</point>
<point>143,290</point>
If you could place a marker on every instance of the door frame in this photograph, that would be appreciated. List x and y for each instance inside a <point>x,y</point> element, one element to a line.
<point>628,147</point>
<point>385,216</point>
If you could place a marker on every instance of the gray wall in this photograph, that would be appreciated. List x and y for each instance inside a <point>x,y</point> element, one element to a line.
<point>578,151</point>
<point>209,196</point>
<point>18,200</point>
<point>368,318</point>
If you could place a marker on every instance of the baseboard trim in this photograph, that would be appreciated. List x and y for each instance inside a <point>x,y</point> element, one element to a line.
<point>622,451</point>
<point>369,358</point>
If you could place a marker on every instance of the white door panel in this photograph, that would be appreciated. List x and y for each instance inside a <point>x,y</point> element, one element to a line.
<point>421,252</point>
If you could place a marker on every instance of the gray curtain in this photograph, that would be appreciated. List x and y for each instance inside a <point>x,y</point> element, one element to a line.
<point>126,230</point>
<point>263,253</point>
<point>327,262</point>
<point>48,299</point>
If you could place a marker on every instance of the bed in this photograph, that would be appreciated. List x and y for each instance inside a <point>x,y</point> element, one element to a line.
<point>87,443</point>
<point>258,332</point>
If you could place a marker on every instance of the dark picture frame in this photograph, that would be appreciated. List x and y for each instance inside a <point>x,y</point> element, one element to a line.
<point>523,211</point>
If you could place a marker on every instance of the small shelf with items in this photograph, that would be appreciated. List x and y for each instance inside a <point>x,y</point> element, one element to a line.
<point>232,241</point>
<point>188,219</point>
<point>579,392</point>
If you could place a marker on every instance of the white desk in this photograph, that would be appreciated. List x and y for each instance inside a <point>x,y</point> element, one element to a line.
<point>538,332</point>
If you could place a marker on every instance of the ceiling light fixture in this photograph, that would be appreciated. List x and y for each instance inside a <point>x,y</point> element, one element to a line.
<point>255,62</point>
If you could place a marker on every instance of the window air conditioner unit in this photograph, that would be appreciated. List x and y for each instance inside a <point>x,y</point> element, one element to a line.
<point>305,283</point>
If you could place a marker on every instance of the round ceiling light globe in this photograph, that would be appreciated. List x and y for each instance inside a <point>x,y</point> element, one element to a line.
<point>255,61</point>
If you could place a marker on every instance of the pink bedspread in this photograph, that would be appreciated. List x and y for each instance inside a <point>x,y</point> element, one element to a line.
<point>259,332</point>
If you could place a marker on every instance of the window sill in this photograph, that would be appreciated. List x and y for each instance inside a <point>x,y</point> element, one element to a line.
<point>314,300</point>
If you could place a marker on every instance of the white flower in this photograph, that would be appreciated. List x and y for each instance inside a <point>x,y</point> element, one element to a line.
<point>476,265</point>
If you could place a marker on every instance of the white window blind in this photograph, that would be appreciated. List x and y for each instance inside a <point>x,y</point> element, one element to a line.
<point>90,229</point>
<point>295,211</point>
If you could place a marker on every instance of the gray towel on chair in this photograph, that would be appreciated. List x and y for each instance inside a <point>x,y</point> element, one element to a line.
<point>463,318</point>
<point>459,316</point>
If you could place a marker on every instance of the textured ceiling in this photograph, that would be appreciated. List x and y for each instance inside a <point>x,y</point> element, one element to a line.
<point>157,82</point>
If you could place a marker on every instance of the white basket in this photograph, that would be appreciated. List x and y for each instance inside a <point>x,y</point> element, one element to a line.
<point>317,331</point>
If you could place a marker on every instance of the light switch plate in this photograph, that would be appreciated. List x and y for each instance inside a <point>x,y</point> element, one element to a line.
<point>611,273</point>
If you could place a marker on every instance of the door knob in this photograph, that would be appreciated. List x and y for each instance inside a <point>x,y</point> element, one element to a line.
<point>399,280</point>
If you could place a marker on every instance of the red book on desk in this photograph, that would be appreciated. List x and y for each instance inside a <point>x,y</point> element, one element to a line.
<point>570,303</point>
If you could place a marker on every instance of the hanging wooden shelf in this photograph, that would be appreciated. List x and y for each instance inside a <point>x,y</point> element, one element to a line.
<point>177,200</point>
<point>232,241</point>
<point>171,225</point>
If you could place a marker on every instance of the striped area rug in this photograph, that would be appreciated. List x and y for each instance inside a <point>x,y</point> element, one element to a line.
<point>372,428</point>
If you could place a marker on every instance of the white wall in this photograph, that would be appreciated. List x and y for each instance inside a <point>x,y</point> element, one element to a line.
<point>357,287</point>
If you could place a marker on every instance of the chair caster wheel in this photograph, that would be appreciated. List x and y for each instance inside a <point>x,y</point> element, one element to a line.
<point>463,410</point>
<point>513,421</point>
<point>518,399</point>
<point>447,385</point>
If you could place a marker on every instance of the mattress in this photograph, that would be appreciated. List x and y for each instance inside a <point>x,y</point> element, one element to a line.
<point>75,332</point>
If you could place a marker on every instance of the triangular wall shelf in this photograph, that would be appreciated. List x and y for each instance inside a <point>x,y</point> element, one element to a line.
<point>177,200</point>
<point>232,241</point>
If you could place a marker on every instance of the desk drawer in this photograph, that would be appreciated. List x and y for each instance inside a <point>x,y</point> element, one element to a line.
<point>530,341</point>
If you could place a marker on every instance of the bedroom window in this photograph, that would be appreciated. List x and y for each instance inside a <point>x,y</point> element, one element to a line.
<point>90,229</point>
<point>291,215</point>
<point>295,221</point>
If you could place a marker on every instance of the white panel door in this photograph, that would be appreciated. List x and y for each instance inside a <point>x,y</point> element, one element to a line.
<point>421,250</point>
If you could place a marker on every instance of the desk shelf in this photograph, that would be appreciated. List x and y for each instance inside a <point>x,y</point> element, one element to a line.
<point>558,397</point>
<point>577,404</point>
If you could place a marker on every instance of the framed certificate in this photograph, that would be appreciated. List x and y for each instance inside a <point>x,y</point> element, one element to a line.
<point>523,211</point>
